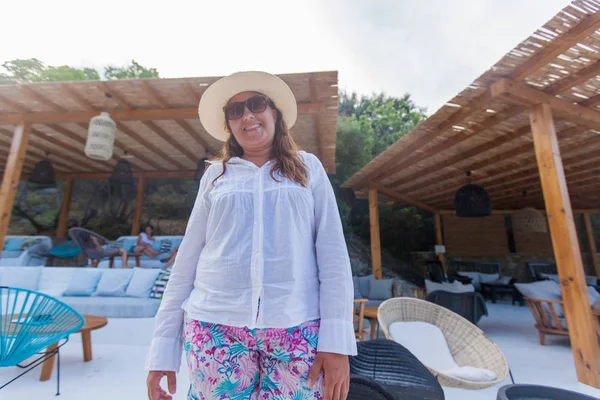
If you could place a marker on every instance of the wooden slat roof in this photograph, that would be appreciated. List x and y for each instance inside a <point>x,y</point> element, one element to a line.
<point>485,128</point>
<point>157,121</point>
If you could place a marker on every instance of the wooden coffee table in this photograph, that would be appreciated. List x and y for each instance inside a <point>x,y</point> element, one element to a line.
<point>111,259</point>
<point>371,315</point>
<point>92,322</point>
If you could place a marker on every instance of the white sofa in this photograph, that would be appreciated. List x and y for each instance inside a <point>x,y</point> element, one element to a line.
<point>127,242</point>
<point>19,250</point>
<point>115,293</point>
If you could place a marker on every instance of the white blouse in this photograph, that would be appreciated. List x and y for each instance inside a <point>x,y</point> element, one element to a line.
<point>259,253</point>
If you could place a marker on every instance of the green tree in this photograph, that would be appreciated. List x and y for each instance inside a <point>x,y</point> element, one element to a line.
<point>132,71</point>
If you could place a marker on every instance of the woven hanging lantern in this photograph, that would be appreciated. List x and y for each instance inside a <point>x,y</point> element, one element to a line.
<point>529,219</point>
<point>472,201</point>
<point>101,137</point>
<point>43,175</point>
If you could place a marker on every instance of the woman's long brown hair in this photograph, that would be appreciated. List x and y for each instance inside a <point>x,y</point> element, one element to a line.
<point>284,151</point>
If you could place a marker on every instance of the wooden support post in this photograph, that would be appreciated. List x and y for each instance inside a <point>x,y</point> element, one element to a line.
<point>439,239</point>
<point>578,311</point>
<point>592,243</point>
<point>12,175</point>
<point>63,218</point>
<point>374,224</point>
<point>139,205</point>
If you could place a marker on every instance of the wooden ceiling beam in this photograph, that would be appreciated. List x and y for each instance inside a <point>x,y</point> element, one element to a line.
<point>477,150</point>
<point>510,91</point>
<point>78,98</point>
<point>40,98</point>
<point>193,133</point>
<point>135,136</point>
<point>315,98</point>
<point>126,115</point>
<point>188,173</point>
<point>586,27</point>
<point>575,79</point>
<point>165,136</point>
<point>153,95</point>
<point>432,186</point>
<point>114,95</point>
<point>13,105</point>
<point>404,198</point>
<point>188,88</point>
<point>511,176</point>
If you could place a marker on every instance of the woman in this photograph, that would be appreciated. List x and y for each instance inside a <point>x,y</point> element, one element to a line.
<point>145,242</point>
<point>261,290</point>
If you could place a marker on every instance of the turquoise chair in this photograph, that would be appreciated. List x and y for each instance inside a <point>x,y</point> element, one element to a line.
<point>30,322</point>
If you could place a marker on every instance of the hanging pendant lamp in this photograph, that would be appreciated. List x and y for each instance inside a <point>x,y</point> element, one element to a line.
<point>472,201</point>
<point>101,136</point>
<point>43,174</point>
<point>201,167</point>
<point>122,173</point>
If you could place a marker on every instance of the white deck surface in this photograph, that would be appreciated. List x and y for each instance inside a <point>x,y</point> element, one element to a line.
<point>119,350</point>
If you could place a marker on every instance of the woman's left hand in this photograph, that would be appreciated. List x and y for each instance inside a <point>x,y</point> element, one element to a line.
<point>337,374</point>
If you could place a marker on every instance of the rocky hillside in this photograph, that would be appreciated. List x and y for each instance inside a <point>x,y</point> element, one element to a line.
<point>360,258</point>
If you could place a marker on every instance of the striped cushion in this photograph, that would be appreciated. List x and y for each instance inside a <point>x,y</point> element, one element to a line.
<point>160,284</point>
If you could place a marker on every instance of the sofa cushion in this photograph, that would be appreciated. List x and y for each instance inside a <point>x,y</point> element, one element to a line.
<point>380,289</point>
<point>13,244</point>
<point>19,277</point>
<point>54,280</point>
<point>113,283</point>
<point>474,278</point>
<point>141,282</point>
<point>363,284</point>
<point>357,293</point>
<point>128,244</point>
<point>83,282</point>
<point>114,307</point>
<point>373,303</point>
<point>454,287</point>
<point>488,278</point>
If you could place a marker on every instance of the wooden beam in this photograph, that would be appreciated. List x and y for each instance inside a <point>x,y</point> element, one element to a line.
<point>577,307</point>
<point>78,98</point>
<point>592,243</point>
<point>165,136</point>
<point>12,175</point>
<point>10,103</point>
<point>135,136</point>
<point>28,90</point>
<point>126,115</point>
<point>193,133</point>
<point>375,240</point>
<point>512,91</point>
<point>139,206</point>
<point>63,217</point>
<point>314,98</point>
<point>188,88</point>
<point>439,238</point>
<point>575,79</point>
<point>404,198</point>
<point>153,95</point>
<point>103,86</point>
<point>586,27</point>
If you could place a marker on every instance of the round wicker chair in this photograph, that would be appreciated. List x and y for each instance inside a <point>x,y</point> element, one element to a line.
<point>362,388</point>
<point>468,344</point>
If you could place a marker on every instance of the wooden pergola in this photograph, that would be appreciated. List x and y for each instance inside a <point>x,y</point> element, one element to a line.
<point>529,125</point>
<point>158,129</point>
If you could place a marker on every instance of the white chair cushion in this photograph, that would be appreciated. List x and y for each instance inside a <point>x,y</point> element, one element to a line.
<point>55,280</point>
<point>488,278</point>
<point>471,374</point>
<point>426,341</point>
<point>474,278</point>
<point>83,282</point>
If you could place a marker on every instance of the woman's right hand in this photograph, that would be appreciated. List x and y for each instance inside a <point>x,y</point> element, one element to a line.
<point>155,392</point>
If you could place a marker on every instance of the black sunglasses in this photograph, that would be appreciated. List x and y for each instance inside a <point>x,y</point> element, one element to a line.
<point>256,104</point>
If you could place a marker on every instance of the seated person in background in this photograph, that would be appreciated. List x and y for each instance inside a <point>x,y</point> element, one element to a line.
<point>145,242</point>
<point>169,261</point>
<point>109,251</point>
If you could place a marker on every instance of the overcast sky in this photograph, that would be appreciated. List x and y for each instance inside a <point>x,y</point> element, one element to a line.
<point>431,49</point>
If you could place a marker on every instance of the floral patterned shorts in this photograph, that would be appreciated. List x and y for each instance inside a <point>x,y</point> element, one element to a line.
<point>240,363</point>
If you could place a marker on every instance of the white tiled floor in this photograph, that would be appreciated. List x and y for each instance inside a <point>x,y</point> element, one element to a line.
<point>116,371</point>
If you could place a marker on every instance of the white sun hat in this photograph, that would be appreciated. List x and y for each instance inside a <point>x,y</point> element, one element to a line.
<point>219,93</point>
